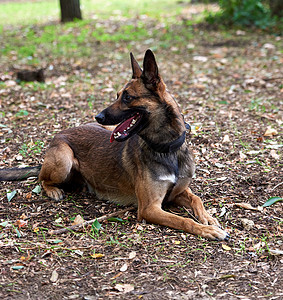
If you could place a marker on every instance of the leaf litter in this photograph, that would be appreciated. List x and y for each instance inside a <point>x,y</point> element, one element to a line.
<point>224,95</point>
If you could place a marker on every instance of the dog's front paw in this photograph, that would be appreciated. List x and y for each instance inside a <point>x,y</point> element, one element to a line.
<point>213,232</point>
<point>54,193</point>
<point>206,219</point>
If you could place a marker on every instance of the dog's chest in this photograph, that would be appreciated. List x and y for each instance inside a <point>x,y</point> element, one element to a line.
<point>172,178</point>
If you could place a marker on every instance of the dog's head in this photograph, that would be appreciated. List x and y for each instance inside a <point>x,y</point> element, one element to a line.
<point>144,95</point>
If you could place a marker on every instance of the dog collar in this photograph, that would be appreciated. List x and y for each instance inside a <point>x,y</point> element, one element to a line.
<point>167,147</point>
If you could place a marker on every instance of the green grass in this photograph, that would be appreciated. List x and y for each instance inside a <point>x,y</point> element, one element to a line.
<point>32,40</point>
<point>25,13</point>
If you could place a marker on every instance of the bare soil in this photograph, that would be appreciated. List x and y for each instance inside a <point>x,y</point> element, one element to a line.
<point>229,86</point>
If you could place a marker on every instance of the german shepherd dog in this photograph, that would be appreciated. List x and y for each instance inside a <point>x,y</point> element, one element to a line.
<point>144,160</point>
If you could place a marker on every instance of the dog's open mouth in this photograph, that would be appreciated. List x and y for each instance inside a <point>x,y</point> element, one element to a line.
<point>126,128</point>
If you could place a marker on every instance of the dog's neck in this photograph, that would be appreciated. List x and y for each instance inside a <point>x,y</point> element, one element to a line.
<point>166,147</point>
<point>167,132</point>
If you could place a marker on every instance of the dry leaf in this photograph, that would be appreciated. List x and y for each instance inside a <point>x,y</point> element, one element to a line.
<point>21,223</point>
<point>247,224</point>
<point>226,247</point>
<point>78,220</point>
<point>246,206</point>
<point>270,132</point>
<point>274,154</point>
<point>124,268</point>
<point>226,139</point>
<point>132,254</point>
<point>54,276</point>
<point>125,288</point>
<point>97,255</point>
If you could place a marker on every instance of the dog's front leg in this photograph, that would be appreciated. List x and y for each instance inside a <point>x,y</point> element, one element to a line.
<point>149,208</point>
<point>190,200</point>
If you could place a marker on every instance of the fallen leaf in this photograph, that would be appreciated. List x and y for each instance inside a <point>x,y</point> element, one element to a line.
<point>78,220</point>
<point>125,288</point>
<point>271,201</point>
<point>218,165</point>
<point>54,276</point>
<point>223,211</point>
<point>200,58</point>
<point>59,220</point>
<point>268,46</point>
<point>247,224</point>
<point>132,254</point>
<point>274,154</point>
<point>270,132</point>
<point>79,252</point>
<point>124,268</point>
<point>17,267</point>
<point>97,255</point>
<point>11,195</point>
<point>247,206</point>
<point>226,247</point>
<point>37,189</point>
<point>226,139</point>
<point>28,196</point>
<point>21,223</point>
<point>4,224</point>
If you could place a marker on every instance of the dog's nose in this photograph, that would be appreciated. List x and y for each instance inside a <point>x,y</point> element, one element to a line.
<point>100,118</point>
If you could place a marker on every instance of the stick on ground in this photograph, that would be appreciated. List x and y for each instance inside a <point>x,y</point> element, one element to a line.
<point>100,219</point>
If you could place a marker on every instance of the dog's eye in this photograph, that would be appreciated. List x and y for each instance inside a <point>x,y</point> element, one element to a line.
<point>127,98</point>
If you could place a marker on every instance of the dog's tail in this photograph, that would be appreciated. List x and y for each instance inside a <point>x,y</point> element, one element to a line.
<point>18,174</point>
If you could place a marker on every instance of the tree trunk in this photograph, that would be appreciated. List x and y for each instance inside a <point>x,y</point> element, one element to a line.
<point>70,10</point>
<point>276,7</point>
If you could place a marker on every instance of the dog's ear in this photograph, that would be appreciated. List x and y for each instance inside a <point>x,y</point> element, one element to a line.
<point>150,73</point>
<point>137,71</point>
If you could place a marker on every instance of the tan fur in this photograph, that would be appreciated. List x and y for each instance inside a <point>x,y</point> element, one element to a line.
<point>130,172</point>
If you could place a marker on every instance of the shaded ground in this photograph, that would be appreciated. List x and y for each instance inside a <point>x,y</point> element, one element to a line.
<point>229,85</point>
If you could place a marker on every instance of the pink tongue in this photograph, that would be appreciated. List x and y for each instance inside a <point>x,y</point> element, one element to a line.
<point>121,127</point>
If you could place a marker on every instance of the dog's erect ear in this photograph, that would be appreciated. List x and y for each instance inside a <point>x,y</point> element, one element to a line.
<point>137,71</point>
<point>150,70</point>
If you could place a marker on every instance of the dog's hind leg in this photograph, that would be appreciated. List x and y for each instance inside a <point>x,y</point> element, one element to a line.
<point>190,200</point>
<point>56,169</point>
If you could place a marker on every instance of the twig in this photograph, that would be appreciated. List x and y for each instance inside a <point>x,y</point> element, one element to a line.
<point>191,215</point>
<point>100,219</point>
<point>277,186</point>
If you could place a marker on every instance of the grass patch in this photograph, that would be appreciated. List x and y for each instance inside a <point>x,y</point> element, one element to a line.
<point>25,13</point>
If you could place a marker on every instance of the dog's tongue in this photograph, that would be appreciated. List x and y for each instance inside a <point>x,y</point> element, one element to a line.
<point>122,128</point>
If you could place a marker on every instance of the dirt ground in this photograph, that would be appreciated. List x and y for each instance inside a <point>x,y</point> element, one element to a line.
<point>229,86</point>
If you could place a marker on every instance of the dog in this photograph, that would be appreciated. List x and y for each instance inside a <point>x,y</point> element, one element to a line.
<point>144,161</point>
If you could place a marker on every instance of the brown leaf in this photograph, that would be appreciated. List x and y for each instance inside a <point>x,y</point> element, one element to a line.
<point>78,220</point>
<point>247,206</point>
<point>270,132</point>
